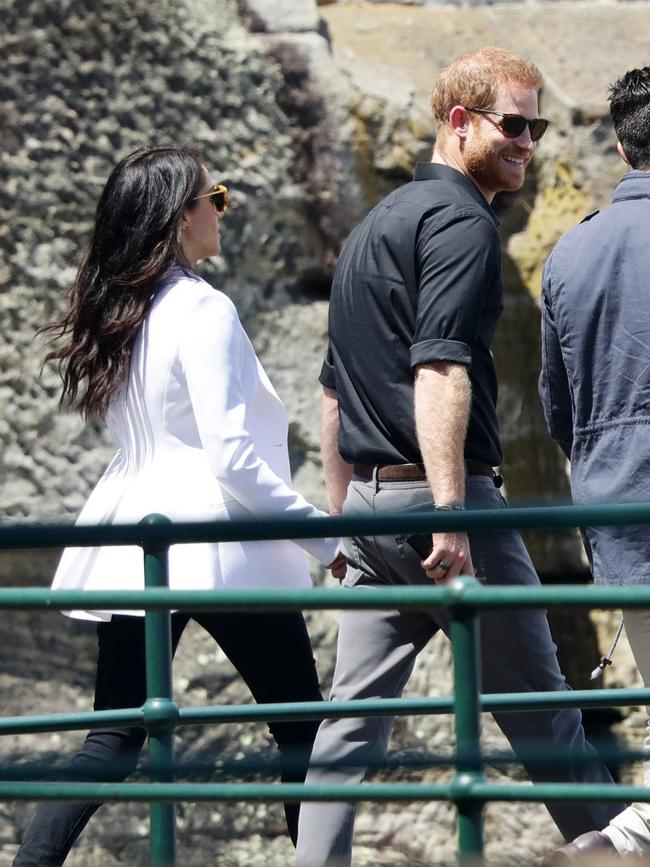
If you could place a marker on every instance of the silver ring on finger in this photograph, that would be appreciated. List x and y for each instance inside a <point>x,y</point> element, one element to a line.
<point>442,564</point>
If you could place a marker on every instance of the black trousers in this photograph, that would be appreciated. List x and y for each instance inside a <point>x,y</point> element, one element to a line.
<point>272,653</point>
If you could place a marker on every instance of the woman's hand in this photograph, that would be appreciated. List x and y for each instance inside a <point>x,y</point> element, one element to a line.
<point>338,567</point>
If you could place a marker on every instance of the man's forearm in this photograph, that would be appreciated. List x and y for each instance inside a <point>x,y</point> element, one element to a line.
<point>337,472</point>
<point>442,405</point>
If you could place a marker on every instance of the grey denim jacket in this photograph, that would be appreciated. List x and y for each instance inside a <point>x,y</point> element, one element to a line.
<point>595,380</point>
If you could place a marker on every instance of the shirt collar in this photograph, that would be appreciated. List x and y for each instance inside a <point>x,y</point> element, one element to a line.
<point>633,185</point>
<point>439,172</point>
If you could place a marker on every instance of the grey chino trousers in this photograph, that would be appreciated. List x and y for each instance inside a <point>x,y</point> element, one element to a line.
<point>377,652</point>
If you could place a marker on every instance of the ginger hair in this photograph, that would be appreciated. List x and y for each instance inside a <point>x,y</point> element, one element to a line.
<point>473,80</point>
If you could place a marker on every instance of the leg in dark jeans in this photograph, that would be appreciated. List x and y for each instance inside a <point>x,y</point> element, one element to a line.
<point>273,654</point>
<point>107,754</point>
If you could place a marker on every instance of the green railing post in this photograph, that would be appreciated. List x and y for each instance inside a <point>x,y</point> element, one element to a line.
<point>160,712</point>
<point>467,720</point>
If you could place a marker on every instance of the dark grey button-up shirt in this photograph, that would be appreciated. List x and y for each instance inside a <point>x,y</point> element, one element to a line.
<point>595,382</point>
<point>417,281</point>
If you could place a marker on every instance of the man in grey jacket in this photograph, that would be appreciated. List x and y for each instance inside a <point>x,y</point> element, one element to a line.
<point>595,388</point>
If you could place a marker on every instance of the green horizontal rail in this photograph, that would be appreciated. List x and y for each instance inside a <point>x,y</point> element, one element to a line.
<point>456,593</point>
<point>209,769</point>
<point>490,703</point>
<point>265,765</point>
<point>549,517</point>
<point>61,722</point>
<point>292,711</point>
<point>456,790</point>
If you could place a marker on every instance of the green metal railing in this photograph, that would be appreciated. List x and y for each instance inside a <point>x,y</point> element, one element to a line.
<point>464,597</point>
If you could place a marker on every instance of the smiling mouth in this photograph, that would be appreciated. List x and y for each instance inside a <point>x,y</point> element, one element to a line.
<point>514,161</point>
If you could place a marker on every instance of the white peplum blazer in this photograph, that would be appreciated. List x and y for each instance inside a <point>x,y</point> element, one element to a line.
<point>201,435</point>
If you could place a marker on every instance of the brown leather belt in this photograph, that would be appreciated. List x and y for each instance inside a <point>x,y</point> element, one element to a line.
<point>416,472</point>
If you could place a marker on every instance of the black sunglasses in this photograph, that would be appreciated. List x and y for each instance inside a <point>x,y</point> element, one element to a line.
<point>512,125</point>
<point>218,195</point>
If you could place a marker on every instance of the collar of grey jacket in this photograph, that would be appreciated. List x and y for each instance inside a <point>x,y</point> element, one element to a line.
<point>634,185</point>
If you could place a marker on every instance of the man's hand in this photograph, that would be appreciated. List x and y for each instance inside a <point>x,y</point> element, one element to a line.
<point>339,567</point>
<point>450,557</point>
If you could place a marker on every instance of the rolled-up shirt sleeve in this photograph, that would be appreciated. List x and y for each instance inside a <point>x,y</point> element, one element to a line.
<point>458,263</point>
<point>327,372</point>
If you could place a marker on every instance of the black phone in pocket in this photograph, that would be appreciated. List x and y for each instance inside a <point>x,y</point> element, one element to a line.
<point>421,543</point>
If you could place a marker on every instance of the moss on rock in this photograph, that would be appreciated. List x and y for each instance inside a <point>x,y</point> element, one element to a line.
<point>557,208</point>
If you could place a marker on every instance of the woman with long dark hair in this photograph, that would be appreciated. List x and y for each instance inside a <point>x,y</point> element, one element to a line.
<point>161,356</point>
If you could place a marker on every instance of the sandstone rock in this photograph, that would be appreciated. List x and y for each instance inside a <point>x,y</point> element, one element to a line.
<point>279,16</point>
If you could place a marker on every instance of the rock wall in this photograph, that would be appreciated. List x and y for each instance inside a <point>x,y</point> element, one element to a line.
<point>310,113</point>
<point>303,117</point>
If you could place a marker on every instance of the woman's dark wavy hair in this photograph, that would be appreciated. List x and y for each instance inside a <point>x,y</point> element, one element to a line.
<point>135,242</point>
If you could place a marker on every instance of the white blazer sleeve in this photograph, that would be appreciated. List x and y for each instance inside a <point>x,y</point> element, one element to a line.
<point>211,354</point>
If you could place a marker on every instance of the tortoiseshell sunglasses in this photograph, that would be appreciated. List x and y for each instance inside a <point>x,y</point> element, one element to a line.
<point>218,195</point>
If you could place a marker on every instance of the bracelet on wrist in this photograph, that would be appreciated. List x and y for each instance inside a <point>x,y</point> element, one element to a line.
<point>448,508</point>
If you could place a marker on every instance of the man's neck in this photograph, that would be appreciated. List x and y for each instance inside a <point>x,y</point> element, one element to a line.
<point>445,157</point>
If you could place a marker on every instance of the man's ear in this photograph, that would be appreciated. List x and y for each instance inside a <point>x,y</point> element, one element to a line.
<point>459,121</point>
<point>621,152</point>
